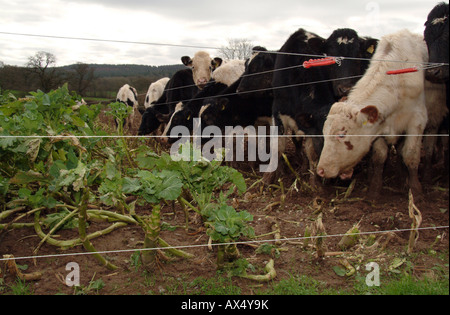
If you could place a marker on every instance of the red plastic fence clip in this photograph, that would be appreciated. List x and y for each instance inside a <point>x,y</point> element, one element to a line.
<point>401,71</point>
<point>319,62</point>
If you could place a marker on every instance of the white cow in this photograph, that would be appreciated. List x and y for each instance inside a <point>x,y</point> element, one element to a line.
<point>379,109</point>
<point>155,91</point>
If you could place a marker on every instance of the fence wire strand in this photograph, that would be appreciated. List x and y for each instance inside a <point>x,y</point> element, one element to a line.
<point>180,247</point>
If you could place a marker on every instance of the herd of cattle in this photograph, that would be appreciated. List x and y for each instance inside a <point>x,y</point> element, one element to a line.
<point>348,109</point>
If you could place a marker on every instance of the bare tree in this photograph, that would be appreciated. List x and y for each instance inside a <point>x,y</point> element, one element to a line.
<point>42,64</point>
<point>82,77</point>
<point>238,48</point>
<point>2,65</point>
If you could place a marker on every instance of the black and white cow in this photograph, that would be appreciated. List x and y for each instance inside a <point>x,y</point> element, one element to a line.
<point>185,112</point>
<point>128,95</point>
<point>180,87</point>
<point>301,98</point>
<point>345,42</point>
<point>155,91</point>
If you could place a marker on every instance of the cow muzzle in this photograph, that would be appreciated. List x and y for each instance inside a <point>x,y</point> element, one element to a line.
<point>436,75</point>
<point>201,83</point>
<point>346,175</point>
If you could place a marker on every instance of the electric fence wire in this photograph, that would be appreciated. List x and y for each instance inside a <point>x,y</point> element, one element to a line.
<point>192,46</point>
<point>420,65</point>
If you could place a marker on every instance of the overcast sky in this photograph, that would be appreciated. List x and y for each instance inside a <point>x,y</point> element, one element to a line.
<point>196,22</point>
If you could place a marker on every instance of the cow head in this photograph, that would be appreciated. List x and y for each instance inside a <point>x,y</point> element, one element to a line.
<point>349,133</point>
<point>436,37</point>
<point>258,74</point>
<point>202,66</point>
<point>210,113</point>
<point>346,43</point>
<point>182,116</point>
<point>127,95</point>
<point>152,119</point>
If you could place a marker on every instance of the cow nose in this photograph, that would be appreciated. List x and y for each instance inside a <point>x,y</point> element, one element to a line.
<point>321,172</point>
<point>436,72</point>
<point>343,90</point>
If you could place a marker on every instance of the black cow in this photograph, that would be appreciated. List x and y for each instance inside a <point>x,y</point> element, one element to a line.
<point>181,87</point>
<point>345,42</point>
<point>257,78</point>
<point>247,100</point>
<point>235,110</point>
<point>436,37</point>
<point>301,98</point>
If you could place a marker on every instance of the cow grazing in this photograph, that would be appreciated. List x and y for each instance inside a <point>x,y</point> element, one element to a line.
<point>180,87</point>
<point>299,102</point>
<point>346,43</point>
<point>436,37</point>
<point>221,78</point>
<point>380,108</point>
<point>155,91</point>
<point>202,67</point>
<point>128,95</point>
<point>230,115</point>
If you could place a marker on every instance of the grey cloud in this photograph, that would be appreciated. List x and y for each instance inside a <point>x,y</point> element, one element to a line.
<point>209,23</point>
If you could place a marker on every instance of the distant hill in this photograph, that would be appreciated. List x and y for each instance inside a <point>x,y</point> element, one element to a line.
<point>105,70</point>
<point>107,80</point>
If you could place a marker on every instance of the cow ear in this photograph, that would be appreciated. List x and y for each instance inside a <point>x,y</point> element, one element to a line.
<point>163,118</point>
<point>216,63</point>
<point>372,113</point>
<point>187,61</point>
<point>368,47</point>
<point>305,120</point>
<point>223,103</point>
<point>189,115</point>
